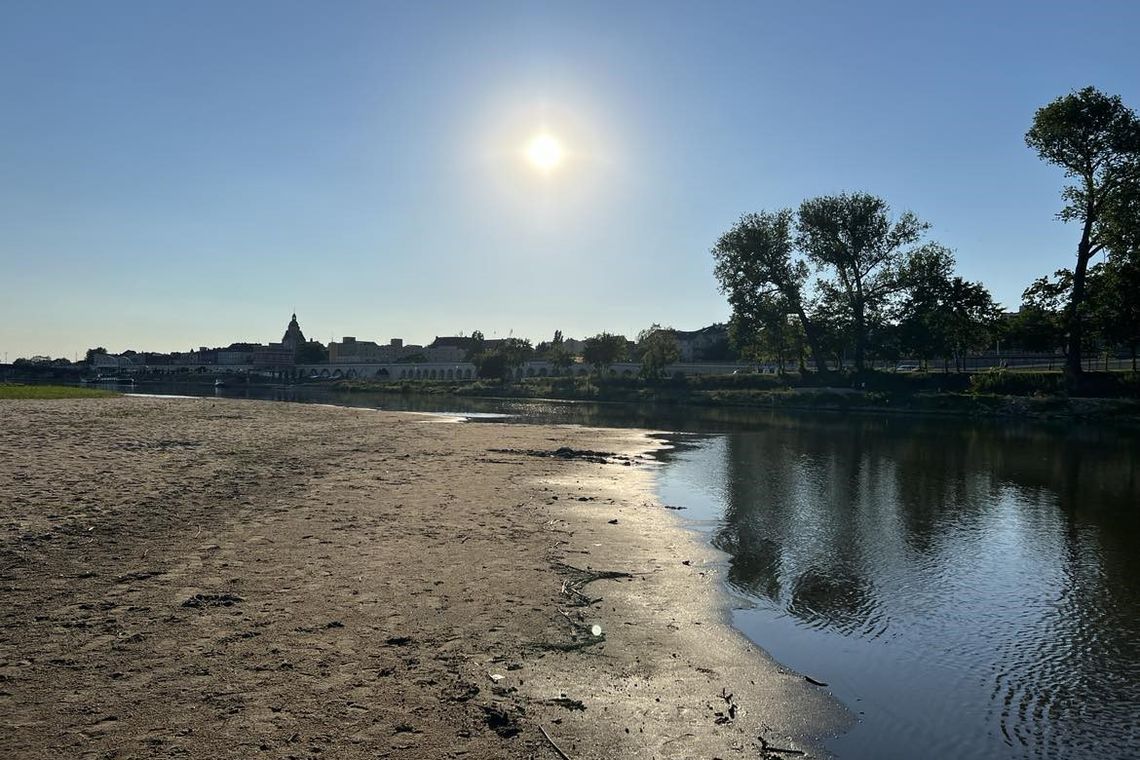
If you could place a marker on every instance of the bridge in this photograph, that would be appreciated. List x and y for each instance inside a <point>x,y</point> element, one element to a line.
<point>442,371</point>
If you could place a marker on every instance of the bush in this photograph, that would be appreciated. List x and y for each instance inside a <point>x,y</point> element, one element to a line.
<point>1092,385</point>
<point>1006,383</point>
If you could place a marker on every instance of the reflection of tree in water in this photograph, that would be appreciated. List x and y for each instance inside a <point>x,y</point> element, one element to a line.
<point>822,518</point>
<point>789,526</point>
<point>813,507</point>
<point>836,598</point>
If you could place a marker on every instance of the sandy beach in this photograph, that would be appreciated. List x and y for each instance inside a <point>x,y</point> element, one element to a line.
<point>205,578</point>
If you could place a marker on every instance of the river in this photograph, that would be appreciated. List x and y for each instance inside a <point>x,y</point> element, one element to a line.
<point>968,589</point>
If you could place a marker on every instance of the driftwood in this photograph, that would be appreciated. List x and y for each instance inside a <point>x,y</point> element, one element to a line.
<point>579,578</point>
<point>557,749</point>
<point>767,749</point>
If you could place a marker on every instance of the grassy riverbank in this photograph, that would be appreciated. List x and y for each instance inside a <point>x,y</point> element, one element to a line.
<point>1114,396</point>
<point>16,391</point>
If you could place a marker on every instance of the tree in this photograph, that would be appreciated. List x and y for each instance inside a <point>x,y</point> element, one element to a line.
<point>1040,322</point>
<point>757,269</point>
<point>658,347</point>
<point>547,347</point>
<point>942,314</point>
<point>311,352</point>
<point>91,352</point>
<point>971,318</point>
<point>1095,138</point>
<point>501,361</point>
<point>766,333</point>
<point>1114,296</point>
<point>476,346</point>
<point>922,315</point>
<point>603,349</point>
<point>851,237</point>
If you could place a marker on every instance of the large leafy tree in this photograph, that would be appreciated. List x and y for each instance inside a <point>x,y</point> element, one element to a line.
<point>759,270</point>
<point>972,318</point>
<point>603,349</point>
<point>768,332</point>
<point>658,348</point>
<point>943,314</point>
<point>862,255</point>
<point>922,314</point>
<point>1095,138</point>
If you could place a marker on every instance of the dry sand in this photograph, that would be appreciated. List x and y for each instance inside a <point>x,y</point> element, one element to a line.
<point>229,579</point>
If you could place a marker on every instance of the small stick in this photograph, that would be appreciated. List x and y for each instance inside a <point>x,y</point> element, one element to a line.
<point>557,749</point>
<point>766,748</point>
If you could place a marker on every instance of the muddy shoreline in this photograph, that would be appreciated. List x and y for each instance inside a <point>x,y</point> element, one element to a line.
<point>213,578</point>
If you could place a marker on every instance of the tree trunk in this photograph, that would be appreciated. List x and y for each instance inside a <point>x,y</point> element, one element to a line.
<point>1073,369</point>
<point>812,339</point>
<point>860,340</point>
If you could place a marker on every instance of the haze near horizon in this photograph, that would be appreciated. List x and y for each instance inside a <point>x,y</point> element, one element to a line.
<point>180,175</point>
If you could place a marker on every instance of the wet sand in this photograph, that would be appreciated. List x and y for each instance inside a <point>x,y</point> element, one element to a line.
<point>226,579</point>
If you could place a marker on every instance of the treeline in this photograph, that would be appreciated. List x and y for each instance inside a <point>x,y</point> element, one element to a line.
<point>840,278</point>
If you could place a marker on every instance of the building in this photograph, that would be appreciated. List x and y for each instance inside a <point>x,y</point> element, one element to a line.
<point>293,337</point>
<point>706,344</point>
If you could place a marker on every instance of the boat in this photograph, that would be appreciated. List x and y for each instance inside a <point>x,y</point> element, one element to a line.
<point>219,383</point>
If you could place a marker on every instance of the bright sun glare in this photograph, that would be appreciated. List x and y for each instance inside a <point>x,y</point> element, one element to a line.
<point>544,152</point>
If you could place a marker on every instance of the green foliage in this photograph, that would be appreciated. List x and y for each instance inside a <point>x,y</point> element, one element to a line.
<point>1114,296</point>
<point>863,255</point>
<point>658,348</point>
<point>477,345</point>
<point>560,358</point>
<point>47,392</point>
<point>499,362</point>
<point>311,352</point>
<point>922,313</point>
<point>758,269</point>
<point>604,349</point>
<point>554,351</point>
<point>1040,324</point>
<point>1095,139</point>
<point>491,365</point>
<point>1093,384</point>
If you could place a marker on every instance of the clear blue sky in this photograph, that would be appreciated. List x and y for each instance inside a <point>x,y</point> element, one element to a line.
<point>175,174</point>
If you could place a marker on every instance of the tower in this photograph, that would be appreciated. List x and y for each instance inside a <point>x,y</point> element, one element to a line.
<point>293,337</point>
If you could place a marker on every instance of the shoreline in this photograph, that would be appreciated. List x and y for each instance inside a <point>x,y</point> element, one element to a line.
<point>217,576</point>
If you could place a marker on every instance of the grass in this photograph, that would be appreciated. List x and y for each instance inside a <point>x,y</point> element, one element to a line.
<point>51,392</point>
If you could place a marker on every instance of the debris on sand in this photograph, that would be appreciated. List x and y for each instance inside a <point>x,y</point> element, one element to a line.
<point>566,452</point>
<point>500,721</point>
<point>200,601</point>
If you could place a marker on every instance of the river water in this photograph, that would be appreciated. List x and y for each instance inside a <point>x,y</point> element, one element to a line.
<point>968,589</point>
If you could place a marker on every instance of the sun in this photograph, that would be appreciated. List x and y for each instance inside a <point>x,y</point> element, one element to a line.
<point>544,152</point>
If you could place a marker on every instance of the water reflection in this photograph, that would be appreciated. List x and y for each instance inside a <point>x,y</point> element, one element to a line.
<point>970,589</point>
<point>975,587</point>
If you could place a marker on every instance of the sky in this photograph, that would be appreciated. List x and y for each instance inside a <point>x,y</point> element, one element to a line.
<point>183,174</point>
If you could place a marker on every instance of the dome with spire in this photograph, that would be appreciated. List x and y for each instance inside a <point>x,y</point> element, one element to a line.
<point>293,335</point>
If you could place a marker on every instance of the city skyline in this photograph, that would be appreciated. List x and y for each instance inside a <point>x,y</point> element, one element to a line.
<point>179,176</point>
